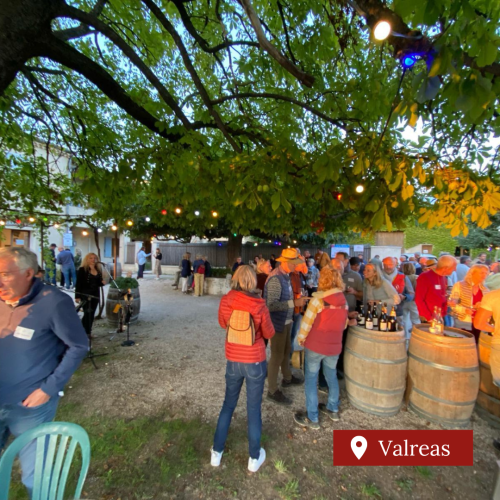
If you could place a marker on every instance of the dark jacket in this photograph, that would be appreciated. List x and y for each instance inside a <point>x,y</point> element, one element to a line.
<point>42,343</point>
<point>236,265</point>
<point>208,269</point>
<point>185,268</point>
<point>87,283</point>
<point>279,317</point>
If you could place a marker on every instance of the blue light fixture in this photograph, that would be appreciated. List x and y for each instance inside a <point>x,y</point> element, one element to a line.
<point>409,60</point>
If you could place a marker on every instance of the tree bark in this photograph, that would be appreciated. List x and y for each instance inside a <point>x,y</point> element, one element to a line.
<point>234,245</point>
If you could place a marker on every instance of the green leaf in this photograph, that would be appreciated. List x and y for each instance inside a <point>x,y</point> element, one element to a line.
<point>275,200</point>
<point>378,219</point>
<point>487,54</point>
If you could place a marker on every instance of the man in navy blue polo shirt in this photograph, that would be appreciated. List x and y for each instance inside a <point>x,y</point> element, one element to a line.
<point>42,343</point>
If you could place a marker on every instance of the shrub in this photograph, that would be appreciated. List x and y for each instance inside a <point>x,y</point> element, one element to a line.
<point>124,283</point>
<point>220,272</point>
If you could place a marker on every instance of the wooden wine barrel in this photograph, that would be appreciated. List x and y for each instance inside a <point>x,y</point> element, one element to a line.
<point>488,398</point>
<point>375,370</point>
<point>443,375</point>
<point>114,296</point>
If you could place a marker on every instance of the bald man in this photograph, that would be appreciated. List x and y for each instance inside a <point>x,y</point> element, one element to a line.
<point>431,288</point>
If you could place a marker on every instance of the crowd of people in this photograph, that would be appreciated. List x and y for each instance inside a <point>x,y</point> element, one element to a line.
<point>293,301</point>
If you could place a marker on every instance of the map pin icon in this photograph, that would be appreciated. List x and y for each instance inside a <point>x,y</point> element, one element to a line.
<point>358,446</point>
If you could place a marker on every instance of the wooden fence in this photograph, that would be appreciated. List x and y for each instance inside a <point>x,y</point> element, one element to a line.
<point>216,252</point>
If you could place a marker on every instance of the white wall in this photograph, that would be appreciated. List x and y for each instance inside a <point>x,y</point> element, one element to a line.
<point>386,251</point>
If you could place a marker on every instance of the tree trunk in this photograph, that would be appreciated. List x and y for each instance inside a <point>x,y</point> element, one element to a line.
<point>23,23</point>
<point>233,249</point>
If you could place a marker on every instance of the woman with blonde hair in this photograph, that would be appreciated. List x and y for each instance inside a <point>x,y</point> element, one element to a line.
<point>263,270</point>
<point>245,363</point>
<point>88,284</point>
<point>321,335</point>
<point>466,296</point>
<point>377,289</point>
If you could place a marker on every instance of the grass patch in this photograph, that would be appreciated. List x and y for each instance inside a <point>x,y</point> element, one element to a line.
<point>405,484</point>
<point>370,490</point>
<point>290,491</point>
<point>423,471</point>
<point>280,466</point>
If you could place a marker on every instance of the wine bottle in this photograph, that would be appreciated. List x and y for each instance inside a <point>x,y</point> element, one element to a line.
<point>369,319</point>
<point>375,317</point>
<point>438,322</point>
<point>361,316</point>
<point>382,325</point>
<point>393,323</point>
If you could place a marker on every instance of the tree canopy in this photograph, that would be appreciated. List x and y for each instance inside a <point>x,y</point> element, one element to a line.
<point>270,113</point>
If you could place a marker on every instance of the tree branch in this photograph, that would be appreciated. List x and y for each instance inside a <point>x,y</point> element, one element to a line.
<point>265,95</point>
<point>307,80</point>
<point>68,56</point>
<point>97,24</point>
<point>83,29</point>
<point>285,29</point>
<point>189,66</point>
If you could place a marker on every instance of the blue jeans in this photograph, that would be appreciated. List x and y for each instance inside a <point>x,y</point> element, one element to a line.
<point>69,271</point>
<point>140,272</point>
<point>48,277</point>
<point>16,419</point>
<point>255,375</point>
<point>312,365</point>
<point>297,320</point>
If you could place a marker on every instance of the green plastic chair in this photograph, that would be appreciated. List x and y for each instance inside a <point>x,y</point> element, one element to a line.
<point>50,477</point>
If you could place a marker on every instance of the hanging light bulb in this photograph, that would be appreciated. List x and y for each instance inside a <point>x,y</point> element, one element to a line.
<point>215,214</point>
<point>130,223</point>
<point>382,30</point>
<point>18,221</point>
<point>85,233</point>
<point>197,213</point>
<point>114,228</point>
<point>2,223</point>
<point>147,219</point>
<point>56,226</point>
<point>99,230</point>
<point>178,210</point>
<point>359,188</point>
<point>31,219</point>
<point>164,212</point>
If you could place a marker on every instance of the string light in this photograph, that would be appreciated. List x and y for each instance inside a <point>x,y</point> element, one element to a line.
<point>56,226</point>
<point>164,212</point>
<point>99,230</point>
<point>31,219</point>
<point>114,228</point>
<point>196,213</point>
<point>85,233</point>
<point>382,30</point>
<point>2,223</point>
<point>18,221</point>
<point>255,244</point>
<point>147,219</point>
<point>130,223</point>
<point>178,210</point>
<point>359,188</point>
<point>295,241</point>
<point>215,214</point>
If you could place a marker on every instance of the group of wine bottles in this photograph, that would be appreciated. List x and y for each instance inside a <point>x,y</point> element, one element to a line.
<point>381,322</point>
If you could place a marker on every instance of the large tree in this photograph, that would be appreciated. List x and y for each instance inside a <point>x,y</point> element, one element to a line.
<point>263,111</point>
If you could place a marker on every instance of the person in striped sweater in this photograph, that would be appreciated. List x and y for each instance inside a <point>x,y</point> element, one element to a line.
<point>244,363</point>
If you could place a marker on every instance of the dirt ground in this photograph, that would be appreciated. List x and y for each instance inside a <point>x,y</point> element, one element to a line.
<point>177,368</point>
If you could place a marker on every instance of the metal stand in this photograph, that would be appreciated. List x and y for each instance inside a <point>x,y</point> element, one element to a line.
<point>88,304</point>
<point>128,315</point>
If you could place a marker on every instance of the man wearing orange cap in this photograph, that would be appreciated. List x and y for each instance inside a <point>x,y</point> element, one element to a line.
<point>280,300</point>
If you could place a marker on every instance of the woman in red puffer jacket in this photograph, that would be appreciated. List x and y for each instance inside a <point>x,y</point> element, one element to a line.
<point>244,363</point>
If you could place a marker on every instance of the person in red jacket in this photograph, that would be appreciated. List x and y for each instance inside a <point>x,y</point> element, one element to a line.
<point>321,335</point>
<point>431,288</point>
<point>244,363</point>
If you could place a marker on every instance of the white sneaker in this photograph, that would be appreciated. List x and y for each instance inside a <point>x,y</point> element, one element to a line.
<point>255,463</point>
<point>216,458</point>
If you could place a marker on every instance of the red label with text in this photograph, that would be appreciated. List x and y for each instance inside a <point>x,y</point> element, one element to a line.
<point>402,447</point>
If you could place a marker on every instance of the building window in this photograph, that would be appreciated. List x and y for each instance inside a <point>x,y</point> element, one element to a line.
<point>108,247</point>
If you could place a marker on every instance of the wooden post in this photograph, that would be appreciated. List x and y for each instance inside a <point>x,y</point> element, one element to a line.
<point>115,255</point>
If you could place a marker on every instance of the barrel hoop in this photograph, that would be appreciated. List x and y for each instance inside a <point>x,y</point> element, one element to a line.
<point>372,389</point>
<point>375,360</point>
<point>445,401</point>
<point>484,365</point>
<point>491,398</point>
<point>445,421</point>
<point>352,334</point>
<point>444,344</point>
<point>443,367</point>
<point>374,410</point>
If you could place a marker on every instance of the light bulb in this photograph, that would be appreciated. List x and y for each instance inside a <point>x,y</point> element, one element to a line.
<point>56,226</point>
<point>381,30</point>
<point>99,230</point>
<point>2,223</point>
<point>31,219</point>
<point>130,223</point>
<point>113,228</point>
<point>178,210</point>
<point>215,214</point>
<point>147,219</point>
<point>84,233</point>
<point>359,188</point>
<point>196,213</point>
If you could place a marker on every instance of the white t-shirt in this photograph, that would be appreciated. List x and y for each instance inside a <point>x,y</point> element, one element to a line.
<point>491,302</point>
